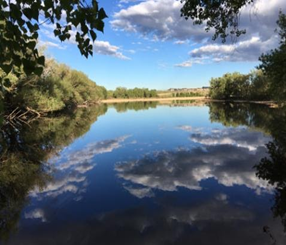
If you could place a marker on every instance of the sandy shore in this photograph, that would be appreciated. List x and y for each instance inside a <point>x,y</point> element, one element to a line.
<point>153,99</point>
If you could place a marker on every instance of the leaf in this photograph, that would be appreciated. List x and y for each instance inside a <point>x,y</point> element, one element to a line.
<point>38,70</point>
<point>7,82</point>
<point>41,60</point>
<point>99,25</point>
<point>93,35</point>
<point>28,13</point>
<point>57,32</point>
<point>7,68</point>
<point>101,14</point>
<point>31,45</point>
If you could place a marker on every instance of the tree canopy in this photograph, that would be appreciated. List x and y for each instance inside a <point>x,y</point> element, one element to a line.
<point>21,20</point>
<point>222,15</point>
<point>59,87</point>
<point>233,86</point>
<point>274,63</point>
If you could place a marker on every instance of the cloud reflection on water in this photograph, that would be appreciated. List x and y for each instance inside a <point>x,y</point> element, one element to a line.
<point>70,172</point>
<point>227,155</point>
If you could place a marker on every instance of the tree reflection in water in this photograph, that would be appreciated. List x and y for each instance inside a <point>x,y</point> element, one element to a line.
<point>23,153</point>
<point>271,121</point>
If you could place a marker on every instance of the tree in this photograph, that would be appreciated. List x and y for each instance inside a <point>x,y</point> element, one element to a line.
<point>21,20</point>
<point>230,86</point>
<point>218,14</point>
<point>274,63</point>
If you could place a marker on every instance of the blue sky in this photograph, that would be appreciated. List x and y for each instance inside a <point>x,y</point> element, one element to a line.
<point>147,44</point>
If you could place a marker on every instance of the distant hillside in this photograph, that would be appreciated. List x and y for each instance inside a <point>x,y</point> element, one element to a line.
<point>173,92</point>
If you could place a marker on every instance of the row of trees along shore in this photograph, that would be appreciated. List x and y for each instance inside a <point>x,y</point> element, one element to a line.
<point>124,93</point>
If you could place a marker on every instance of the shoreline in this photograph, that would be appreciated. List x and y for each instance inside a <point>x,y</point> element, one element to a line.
<point>107,101</point>
<point>202,99</point>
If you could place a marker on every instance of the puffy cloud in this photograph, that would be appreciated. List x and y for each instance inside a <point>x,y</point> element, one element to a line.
<point>161,19</point>
<point>248,50</point>
<point>105,48</point>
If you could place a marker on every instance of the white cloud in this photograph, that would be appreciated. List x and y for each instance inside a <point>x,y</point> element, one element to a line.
<point>161,19</point>
<point>105,48</point>
<point>248,50</point>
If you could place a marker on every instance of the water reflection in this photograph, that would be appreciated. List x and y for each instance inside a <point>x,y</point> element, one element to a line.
<point>171,223</point>
<point>136,106</point>
<point>23,153</point>
<point>70,171</point>
<point>270,168</point>
<point>168,170</point>
<point>273,170</point>
<point>196,186</point>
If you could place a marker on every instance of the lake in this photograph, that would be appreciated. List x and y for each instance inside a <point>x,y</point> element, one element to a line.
<point>146,173</point>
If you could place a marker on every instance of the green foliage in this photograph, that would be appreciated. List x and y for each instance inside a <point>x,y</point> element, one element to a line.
<point>274,63</point>
<point>20,22</point>
<point>229,86</point>
<point>259,86</point>
<point>234,86</point>
<point>222,15</point>
<point>59,87</point>
<point>124,93</point>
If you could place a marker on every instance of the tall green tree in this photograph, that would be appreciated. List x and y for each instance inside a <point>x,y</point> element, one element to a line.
<point>21,20</point>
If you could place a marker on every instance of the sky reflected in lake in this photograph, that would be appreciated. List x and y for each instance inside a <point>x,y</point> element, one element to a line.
<point>163,175</point>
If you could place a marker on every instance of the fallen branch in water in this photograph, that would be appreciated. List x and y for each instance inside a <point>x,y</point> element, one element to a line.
<point>21,116</point>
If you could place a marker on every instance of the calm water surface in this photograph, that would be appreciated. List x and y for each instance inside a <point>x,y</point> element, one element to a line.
<point>144,173</point>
